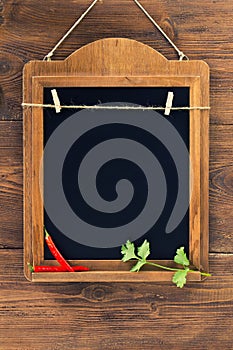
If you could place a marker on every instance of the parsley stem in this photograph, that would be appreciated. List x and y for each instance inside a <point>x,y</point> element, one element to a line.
<point>202,273</point>
<point>162,267</point>
<point>175,269</point>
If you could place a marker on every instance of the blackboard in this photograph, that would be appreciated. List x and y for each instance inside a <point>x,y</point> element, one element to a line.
<point>163,245</point>
<point>91,168</point>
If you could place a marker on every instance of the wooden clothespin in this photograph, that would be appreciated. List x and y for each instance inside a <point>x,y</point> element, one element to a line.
<point>170,97</point>
<point>56,101</point>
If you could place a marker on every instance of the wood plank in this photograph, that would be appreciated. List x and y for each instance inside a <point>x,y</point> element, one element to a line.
<point>221,146</point>
<point>10,157</point>
<point>221,193</point>
<point>121,327</point>
<point>65,310</point>
<point>11,181</point>
<point>185,23</point>
<point>11,197</point>
<point>108,276</point>
<point>11,192</point>
<point>11,135</point>
<point>221,92</point>
<point>130,325</point>
<point>11,186</point>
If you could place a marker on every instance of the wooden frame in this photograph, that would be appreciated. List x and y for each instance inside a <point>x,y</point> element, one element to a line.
<point>99,64</point>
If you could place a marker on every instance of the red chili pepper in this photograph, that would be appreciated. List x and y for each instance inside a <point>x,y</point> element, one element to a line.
<point>43,268</point>
<point>55,252</point>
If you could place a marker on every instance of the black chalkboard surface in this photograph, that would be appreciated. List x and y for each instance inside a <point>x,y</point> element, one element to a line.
<point>163,245</point>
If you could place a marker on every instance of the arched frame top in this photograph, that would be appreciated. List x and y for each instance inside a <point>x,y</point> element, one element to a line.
<point>117,56</point>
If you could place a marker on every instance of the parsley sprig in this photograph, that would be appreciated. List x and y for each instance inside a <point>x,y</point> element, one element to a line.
<point>179,277</point>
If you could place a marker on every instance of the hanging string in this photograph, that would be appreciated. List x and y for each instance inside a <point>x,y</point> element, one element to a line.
<point>154,108</point>
<point>180,53</point>
<point>50,54</point>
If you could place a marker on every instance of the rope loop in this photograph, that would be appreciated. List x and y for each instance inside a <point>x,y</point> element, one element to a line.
<point>183,56</point>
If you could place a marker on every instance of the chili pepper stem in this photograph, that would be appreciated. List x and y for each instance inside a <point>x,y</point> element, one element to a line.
<point>31,268</point>
<point>46,233</point>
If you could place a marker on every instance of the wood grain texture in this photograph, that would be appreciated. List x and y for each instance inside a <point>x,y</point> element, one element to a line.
<point>116,316</point>
<point>150,310</point>
<point>25,24</point>
<point>221,185</point>
<point>11,184</point>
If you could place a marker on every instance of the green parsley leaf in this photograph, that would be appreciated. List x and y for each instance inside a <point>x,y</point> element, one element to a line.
<point>138,266</point>
<point>179,278</point>
<point>144,250</point>
<point>128,251</point>
<point>181,257</point>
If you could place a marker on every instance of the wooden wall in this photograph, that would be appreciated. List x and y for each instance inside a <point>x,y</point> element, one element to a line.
<point>116,316</point>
